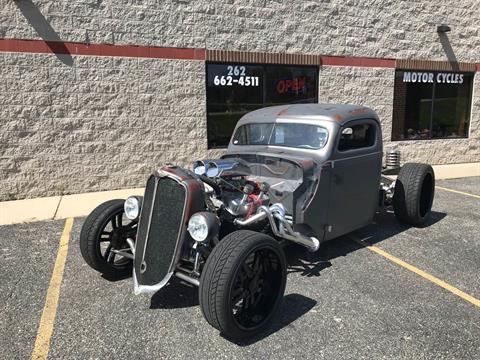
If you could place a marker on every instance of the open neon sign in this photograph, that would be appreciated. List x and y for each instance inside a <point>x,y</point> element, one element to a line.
<point>288,86</point>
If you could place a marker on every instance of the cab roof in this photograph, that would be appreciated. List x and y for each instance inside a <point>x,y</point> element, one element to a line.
<point>339,113</point>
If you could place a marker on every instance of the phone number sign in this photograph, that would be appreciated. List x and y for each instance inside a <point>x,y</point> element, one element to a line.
<point>236,75</point>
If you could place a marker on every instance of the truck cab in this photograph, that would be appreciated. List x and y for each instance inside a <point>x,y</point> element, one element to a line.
<point>344,142</point>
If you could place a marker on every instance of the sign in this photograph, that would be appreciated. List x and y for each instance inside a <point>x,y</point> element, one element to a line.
<point>430,77</point>
<point>236,75</point>
<point>291,86</point>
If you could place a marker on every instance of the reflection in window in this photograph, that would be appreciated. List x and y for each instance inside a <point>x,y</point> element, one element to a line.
<point>253,134</point>
<point>357,137</point>
<point>431,105</point>
<point>236,89</point>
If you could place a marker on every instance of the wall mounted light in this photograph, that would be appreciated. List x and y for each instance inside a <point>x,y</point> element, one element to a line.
<point>443,28</point>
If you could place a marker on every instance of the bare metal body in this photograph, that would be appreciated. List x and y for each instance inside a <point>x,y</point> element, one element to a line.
<point>303,174</point>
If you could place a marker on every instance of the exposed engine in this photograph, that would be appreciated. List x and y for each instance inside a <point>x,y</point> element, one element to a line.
<point>231,187</point>
<point>245,195</point>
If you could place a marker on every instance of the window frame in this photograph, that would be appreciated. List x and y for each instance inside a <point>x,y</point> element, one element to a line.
<point>362,150</point>
<point>264,95</point>
<point>469,107</point>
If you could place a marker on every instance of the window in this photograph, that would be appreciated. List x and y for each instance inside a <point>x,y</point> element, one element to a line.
<point>357,137</point>
<point>235,89</point>
<point>253,134</point>
<point>431,105</point>
<point>282,134</point>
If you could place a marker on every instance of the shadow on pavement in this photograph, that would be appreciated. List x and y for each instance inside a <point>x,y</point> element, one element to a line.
<point>178,294</point>
<point>384,226</point>
<point>175,295</point>
<point>116,278</point>
<point>293,307</point>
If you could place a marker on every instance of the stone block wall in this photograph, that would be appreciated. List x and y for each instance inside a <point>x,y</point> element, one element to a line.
<point>72,123</point>
<point>101,123</point>
<point>381,28</point>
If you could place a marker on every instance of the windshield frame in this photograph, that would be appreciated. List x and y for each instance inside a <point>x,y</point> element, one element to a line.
<point>273,126</point>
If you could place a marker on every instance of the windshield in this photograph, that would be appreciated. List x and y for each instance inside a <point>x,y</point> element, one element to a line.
<point>282,134</point>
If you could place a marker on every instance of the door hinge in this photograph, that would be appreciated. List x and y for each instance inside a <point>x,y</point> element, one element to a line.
<point>330,164</point>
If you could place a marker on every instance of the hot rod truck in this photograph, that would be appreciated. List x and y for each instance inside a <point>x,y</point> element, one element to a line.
<point>305,173</point>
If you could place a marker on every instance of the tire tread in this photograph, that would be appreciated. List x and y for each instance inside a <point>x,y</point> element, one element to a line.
<point>406,196</point>
<point>88,238</point>
<point>217,272</point>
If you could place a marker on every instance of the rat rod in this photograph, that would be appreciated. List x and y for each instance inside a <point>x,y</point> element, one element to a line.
<point>305,173</point>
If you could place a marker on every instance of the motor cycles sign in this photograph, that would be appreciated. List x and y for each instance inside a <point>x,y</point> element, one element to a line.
<point>432,77</point>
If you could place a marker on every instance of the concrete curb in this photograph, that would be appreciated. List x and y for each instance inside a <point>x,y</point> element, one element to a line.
<point>61,207</point>
<point>453,171</point>
<point>58,207</point>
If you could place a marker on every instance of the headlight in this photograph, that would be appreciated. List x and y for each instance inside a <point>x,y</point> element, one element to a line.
<point>199,167</point>
<point>132,207</point>
<point>212,170</point>
<point>202,226</point>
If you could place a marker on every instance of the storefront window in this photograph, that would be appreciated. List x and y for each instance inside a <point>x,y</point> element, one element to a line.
<point>431,105</point>
<point>235,89</point>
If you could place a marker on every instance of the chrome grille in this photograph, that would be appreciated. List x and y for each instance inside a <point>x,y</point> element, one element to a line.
<point>159,229</point>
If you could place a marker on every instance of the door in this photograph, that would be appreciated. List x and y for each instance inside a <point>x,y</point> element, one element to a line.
<point>355,180</point>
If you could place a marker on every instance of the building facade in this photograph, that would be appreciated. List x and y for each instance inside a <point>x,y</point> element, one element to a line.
<point>95,94</point>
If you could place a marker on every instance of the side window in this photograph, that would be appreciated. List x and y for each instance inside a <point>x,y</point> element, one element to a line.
<point>357,137</point>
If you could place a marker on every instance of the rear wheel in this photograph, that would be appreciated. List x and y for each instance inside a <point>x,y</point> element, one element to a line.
<point>243,283</point>
<point>414,193</point>
<point>104,230</point>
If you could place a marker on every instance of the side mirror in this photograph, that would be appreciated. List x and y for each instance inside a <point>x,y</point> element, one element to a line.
<point>347,131</point>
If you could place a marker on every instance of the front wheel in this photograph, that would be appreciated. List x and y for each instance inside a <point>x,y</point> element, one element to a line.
<point>413,194</point>
<point>243,283</point>
<point>105,230</point>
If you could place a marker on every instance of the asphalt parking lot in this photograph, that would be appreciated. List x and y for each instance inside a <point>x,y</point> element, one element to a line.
<point>345,302</point>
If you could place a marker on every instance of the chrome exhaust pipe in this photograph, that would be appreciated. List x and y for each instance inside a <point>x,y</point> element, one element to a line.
<point>284,229</point>
<point>312,243</point>
<point>259,216</point>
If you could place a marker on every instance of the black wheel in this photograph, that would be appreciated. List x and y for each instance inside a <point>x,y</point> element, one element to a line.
<point>104,230</point>
<point>414,192</point>
<point>243,283</point>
